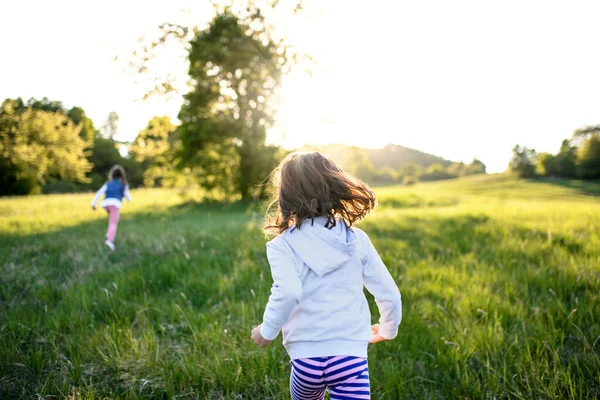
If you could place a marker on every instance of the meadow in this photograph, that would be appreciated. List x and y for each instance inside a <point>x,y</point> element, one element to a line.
<point>500,281</point>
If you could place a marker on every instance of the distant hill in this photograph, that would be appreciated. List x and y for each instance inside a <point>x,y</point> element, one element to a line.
<point>396,156</point>
<point>391,156</point>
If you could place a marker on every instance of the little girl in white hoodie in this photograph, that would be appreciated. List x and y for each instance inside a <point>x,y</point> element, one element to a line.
<point>319,264</point>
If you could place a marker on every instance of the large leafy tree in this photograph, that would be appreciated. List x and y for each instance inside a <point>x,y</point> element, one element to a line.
<point>76,114</point>
<point>523,161</point>
<point>588,157</point>
<point>546,164</point>
<point>37,146</point>
<point>476,167</point>
<point>234,64</point>
<point>565,162</point>
<point>79,117</point>
<point>235,69</point>
<point>152,148</point>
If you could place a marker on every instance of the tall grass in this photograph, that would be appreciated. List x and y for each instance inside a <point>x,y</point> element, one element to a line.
<point>500,281</point>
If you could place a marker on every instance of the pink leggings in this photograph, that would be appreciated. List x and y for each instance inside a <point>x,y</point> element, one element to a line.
<point>113,221</point>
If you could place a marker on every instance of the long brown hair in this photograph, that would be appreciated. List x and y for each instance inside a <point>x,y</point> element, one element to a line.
<point>117,172</point>
<point>308,185</point>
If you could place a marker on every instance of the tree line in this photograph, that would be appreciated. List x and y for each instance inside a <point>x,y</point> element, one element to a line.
<point>45,148</point>
<point>395,164</point>
<point>235,65</point>
<point>578,157</point>
<point>235,68</point>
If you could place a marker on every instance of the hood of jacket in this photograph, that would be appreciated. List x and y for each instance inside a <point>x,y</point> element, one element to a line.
<point>322,249</point>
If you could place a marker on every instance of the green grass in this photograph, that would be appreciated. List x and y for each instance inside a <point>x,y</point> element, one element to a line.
<point>500,281</point>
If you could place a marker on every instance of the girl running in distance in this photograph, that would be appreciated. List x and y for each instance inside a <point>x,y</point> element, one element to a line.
<point>114,190</point>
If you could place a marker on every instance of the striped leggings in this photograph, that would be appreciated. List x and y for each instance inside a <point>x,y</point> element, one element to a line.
<point>345,377</point>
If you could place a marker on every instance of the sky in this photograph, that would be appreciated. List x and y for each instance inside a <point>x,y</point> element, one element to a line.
<point>458,79</point>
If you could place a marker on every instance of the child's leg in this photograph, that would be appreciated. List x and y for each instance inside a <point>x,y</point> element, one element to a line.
<point>348,378</point>
<point>113,221</point>
<point>306,379</point>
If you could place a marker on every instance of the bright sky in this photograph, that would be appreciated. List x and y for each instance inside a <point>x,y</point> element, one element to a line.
<point>459,79</point>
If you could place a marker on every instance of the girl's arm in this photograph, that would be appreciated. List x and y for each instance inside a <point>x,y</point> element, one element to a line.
<point>99,193</point>
<point>285,292</point>
<point>381,285</point>
<point>126,193</point>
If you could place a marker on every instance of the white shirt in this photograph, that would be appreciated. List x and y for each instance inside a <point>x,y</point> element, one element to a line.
<point>110,202</point>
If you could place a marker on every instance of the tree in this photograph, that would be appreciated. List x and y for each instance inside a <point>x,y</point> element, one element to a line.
<point>523,161</point>
<point>46,104</point>
<point>104,156</point>
<point>235,69</point>
<point>111,127</point>
<point>387,175</point>
<point>566,160</point>
<point>87,129</point>
<point>588,157</point>
<point>476,167</point>
<point>457,168</point>
<point>546,164</point>
<point>580,135</point>
<point>411,170</point>
<point>436,172</point>
<point>358,164</point>
<point>152,148</point>
<point>37,146</point>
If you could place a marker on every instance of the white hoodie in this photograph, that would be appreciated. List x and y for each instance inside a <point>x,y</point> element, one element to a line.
<point>317,295</point>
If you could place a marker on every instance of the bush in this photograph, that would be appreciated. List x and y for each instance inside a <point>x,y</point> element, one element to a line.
<point>410,180</point>
<point>386,175</point>
<point>436,172</point>
<point>588,158</point>
<point>61,186</point>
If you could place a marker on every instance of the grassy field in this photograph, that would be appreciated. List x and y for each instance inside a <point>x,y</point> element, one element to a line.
<point>500,280</point>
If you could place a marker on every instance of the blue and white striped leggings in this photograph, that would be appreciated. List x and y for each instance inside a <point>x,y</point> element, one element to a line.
<point>346,378</point>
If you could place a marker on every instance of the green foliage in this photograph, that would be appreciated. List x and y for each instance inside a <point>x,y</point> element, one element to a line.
<point>523,161</point>
<point>457,168</point>
<point>396,156</point>
<point>409,180</point>
<point>358,164</point>
<point>566,160</point>
<point>78,116</point>
<point>499,279</point>
<point>391,163</point>
<point>411,170</point>
<point>578,157</point>
<point>235,69</point>
<point>585,132</point>
<point>12,121</point>
<point>104,156</point>
<point>386,175</point>
<point>436,172</point>
<point>61,186</point>
<point>546,165</point>
<point>588,157</point>
<point>37,146</point>
<point>152,148</point>
<point>476,167</point>
<point>110,129</point>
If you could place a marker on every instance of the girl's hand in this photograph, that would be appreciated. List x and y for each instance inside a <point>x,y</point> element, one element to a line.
<point>258,339</point>
<point>376,338</point>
